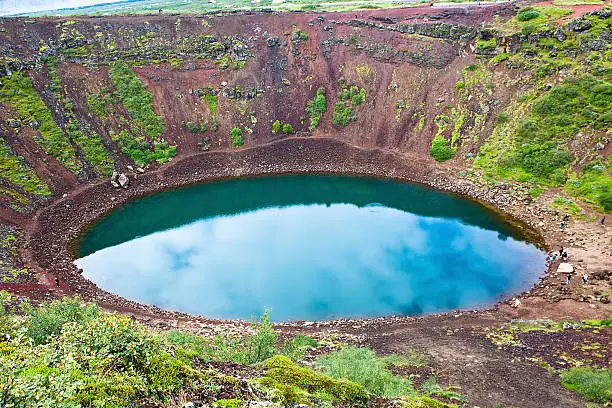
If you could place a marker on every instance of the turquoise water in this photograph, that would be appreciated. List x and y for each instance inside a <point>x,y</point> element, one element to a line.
<point>308,247</point>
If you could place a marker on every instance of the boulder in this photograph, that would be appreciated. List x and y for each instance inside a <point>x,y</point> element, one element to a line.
<point>579,24</point>
<point>273,42</point>
<point>124,181</point>
<point>14,123</point>
<point>34,124</point>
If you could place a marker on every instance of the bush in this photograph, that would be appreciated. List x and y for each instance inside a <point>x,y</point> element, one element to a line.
<point>593,385</point>
<point>261,345</point>
<point>287,128</point>
<point>276,126</point>
<point>316,107</point>
<point>342,115</point>
<point>236,135</point>
<point>527,14</point>
<point>193,127</point>
<point>48,320</point>
<point>440,149</point>
<point>362,366</point>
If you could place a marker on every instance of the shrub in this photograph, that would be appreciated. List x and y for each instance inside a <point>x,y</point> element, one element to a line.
<point>440,149</point>
<point>316,107</point>
<point>503,117</point>
<point>287,128</point>
<point>294,349</point>
<point>193,127</point>
<point>362,366</point>
<point>527,14</point>
<point>261,345</point>
<point>236,135</point>
<point>342,115</point>
<point>593,385</point>
<point>276,126</point>
<point>48,320</point>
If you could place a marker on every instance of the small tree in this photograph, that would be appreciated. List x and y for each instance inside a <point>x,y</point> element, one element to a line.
<point>276,126</point>
<point>287,128</point>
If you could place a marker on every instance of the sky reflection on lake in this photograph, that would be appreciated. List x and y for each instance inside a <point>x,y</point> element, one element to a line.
<point>317,261</point>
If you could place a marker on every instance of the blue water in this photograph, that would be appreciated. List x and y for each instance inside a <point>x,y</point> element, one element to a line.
<point>308,247</point>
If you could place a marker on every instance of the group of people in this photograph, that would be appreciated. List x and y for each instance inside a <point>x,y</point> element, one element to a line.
<point>564,223</point>
<point>563,255</point>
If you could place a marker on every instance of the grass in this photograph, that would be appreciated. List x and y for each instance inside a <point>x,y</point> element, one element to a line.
<point>594,186</point>
<point>69,353</point>
<point>18,92</point>
<point>575,2</point>
<point>362,366</point>
<point>142,151</point>
<point>593,385</point>
<point>136,99</point>
<point>14,169</point>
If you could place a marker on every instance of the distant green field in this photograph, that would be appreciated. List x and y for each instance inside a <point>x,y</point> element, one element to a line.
<point>203,6</point>
<point>576,2</point>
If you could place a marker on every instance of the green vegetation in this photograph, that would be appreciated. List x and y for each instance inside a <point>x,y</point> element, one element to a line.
<point>276,126</point>
<point>136,99</point>
<point>316,107</point>
<point>594,385</point>
<point>91,144</point>
<point>486,45</point>
<point>526,14</point>
<point>212,101</point>
<point>567,206</point>
<point>594,186</point>
<point>441,150</point>
<point>575,2</point>
<point>289,383</point>
<point>18,92</point>
<point>349,97</point>
<point>14,169</point>
<point>67,353</point>
<point>139,150</point>
<point>362,366</point>
<point>536,148</point>
<point>236,134</point>
<point>287,128</point>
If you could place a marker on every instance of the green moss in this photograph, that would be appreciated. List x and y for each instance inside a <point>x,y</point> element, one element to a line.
<point>18,92</point>
<point>294,384</point>
<point>486,45</point>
